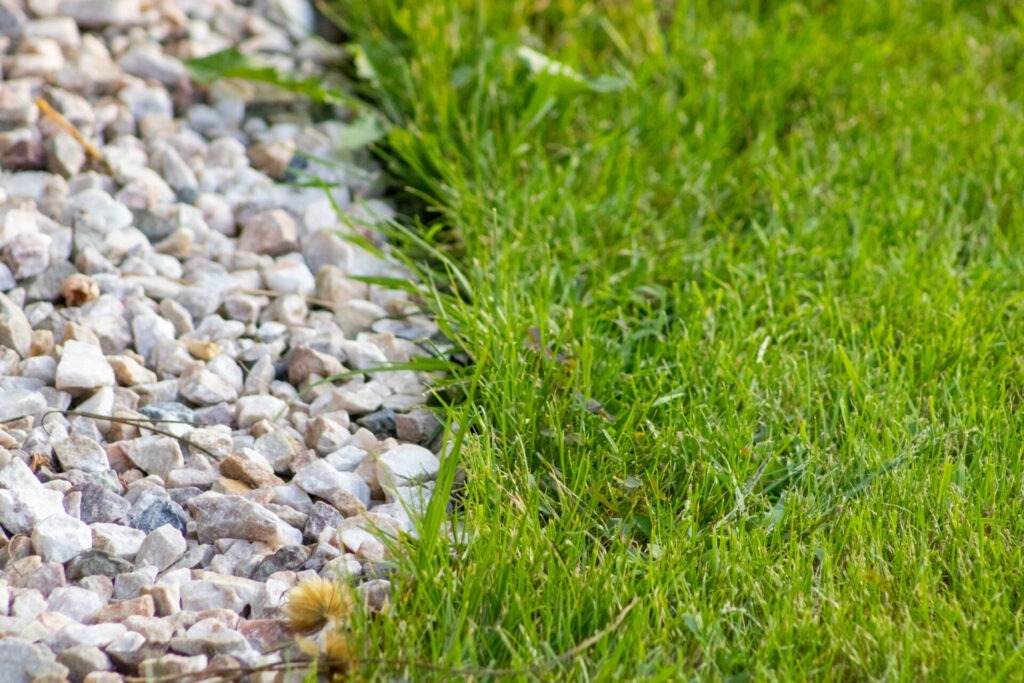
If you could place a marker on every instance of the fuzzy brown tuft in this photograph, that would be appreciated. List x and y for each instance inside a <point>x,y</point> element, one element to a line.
<point>314,603</point>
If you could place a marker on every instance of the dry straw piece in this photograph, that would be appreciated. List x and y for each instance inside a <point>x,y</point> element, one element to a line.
<point>315,603</point>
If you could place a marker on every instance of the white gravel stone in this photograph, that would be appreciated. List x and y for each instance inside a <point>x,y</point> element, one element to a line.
<point>95,14</point>
<point>252,409</point>
<point>320,479</point>
<point>27,255</point>
<point>289,276</point>
<point>225,592</point>
<point>18,403</point>
<point>81,452</point>
<point>23,500</point>
<point>177,235</point>
<point>21,661</point>
<point>148,330</point>
<point>83,369</point>
<point>81,604</point>
<point>407,464</point>
<point>59,537</point>
<point>203,387</point>
<point>163,547</point>
<point>159,455</point>
<point>15,330</point>
<point>117,540</point>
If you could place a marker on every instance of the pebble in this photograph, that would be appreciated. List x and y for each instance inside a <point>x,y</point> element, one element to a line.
<point>407,464</point>
<point>231,516</point>
<point>24,662</point>
<point>83,369</point>
<point>161,548</point>
<point>58,538</point>
<point>169,287</point>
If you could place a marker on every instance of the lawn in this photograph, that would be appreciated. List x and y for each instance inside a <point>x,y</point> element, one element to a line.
<point>742,286</point>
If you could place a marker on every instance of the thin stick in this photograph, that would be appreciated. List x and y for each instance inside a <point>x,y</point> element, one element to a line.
<point>69,128</point>
<point>141,423</point>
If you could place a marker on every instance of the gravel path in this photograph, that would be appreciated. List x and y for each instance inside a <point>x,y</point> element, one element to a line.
<point>182,286</point>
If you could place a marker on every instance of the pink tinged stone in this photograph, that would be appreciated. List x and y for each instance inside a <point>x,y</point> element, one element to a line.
<point>220,516</point>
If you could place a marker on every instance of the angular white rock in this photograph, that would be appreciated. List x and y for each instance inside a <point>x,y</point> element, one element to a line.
<point>117,540</point>
<point>24,502</point>
<point>406,464</point>
<point>83,369</point>
<point>320,479</point>
<point>58,538</point>
<point>159,455</point>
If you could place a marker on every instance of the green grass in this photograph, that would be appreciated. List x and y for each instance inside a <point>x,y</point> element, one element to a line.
<point>786,259</point>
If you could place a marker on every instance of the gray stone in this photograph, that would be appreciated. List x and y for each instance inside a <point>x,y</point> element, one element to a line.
<point>64,155</point>
<point>357,399</point>
<point>129,585</point>
<point>148,330</point>
<point>96,212</point>
<point>323,517</point>
<point>380,422</point>
<point>376,594</point>
<point>163,411</point>
<point>252,409</point>
<point>289,557</point>
<point>12,19</point>
<point>417,426</point>
<point>229,516</point>
<point>217,591</point>
<point>270,232</point>
<point>159,513</point>
<point>346,458</point>
<point>127,650</point>
<point>305,361</point>
<point>96,563</point>
<point>95,635</point>
<point>149,62</point>
<point>328,433</point>
<point>289,276</point>
<point>277,448</point>
<point>100,504</point>
<point>82,660</point>
<point>28,604</point>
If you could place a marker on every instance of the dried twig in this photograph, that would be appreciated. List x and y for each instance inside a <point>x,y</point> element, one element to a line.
<point>70,129</point>
<point>141,423</point>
